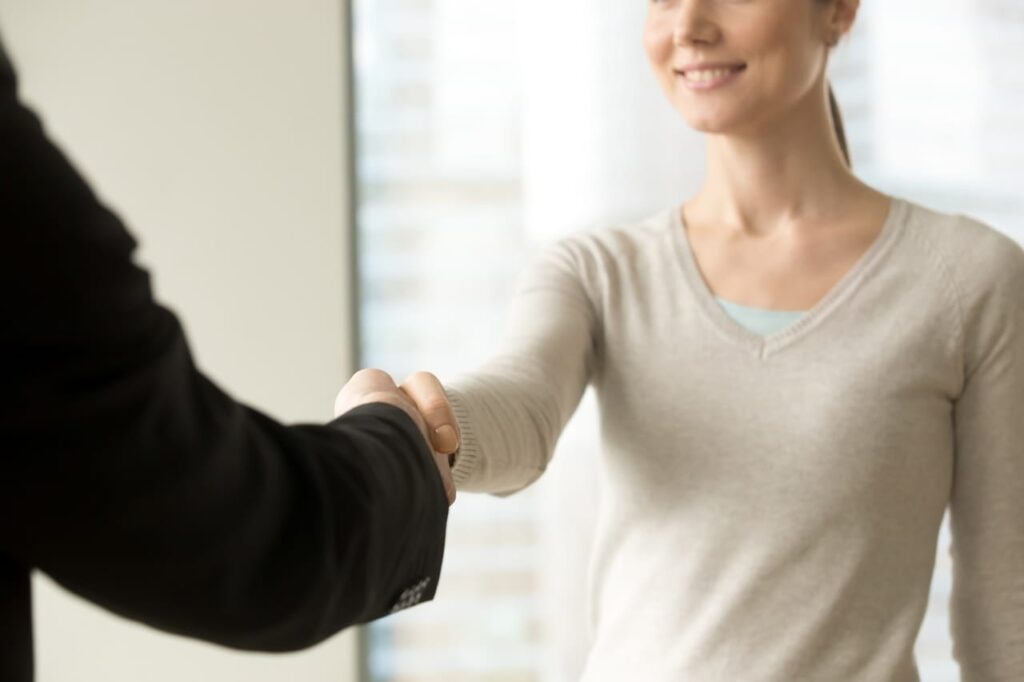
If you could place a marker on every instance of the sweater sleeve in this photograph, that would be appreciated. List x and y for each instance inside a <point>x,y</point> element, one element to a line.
<point>987,502</point>
<point>512,410</point>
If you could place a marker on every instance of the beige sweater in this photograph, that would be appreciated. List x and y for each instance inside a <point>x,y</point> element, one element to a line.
<point>771,505</point>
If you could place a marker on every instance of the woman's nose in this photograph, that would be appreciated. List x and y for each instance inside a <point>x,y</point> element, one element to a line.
<point>693,23</point>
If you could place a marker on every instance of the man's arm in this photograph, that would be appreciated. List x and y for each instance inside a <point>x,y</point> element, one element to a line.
<point>131,479</point>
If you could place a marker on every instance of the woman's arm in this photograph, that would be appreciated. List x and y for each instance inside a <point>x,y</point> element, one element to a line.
<point>987,503</point>
<point>511,411</point>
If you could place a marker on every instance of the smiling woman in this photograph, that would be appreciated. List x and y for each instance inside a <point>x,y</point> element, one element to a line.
<point>709,48</point>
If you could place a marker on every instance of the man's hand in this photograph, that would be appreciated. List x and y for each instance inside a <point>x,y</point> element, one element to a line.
<point>422,398</point>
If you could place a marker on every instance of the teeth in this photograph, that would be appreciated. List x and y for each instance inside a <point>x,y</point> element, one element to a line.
<point>706,75</point>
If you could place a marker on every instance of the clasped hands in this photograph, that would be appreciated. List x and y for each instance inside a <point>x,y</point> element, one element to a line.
<point>422,397</point>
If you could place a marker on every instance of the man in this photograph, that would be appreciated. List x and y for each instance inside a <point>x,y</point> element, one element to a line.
<point>133,481</point>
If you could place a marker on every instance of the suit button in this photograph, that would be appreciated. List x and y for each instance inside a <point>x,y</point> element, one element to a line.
<point>411,596</point>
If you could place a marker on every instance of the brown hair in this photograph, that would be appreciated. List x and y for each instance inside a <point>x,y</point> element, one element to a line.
<point>837,116</point>
<point>837,123</point>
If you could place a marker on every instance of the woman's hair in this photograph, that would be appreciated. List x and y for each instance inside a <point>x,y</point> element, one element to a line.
<point>837,116</point>
<point>837,123</point>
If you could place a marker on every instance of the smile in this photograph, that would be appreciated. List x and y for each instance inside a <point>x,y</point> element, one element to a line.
<point>708,79</point>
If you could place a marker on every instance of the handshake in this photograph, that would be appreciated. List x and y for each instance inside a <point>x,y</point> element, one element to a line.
<point>422,397</point>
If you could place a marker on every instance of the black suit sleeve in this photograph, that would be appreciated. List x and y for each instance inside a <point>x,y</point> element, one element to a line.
<point>132,480</point>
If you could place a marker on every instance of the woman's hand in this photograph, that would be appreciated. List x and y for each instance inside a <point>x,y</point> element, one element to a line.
<point>418,397</point>
<point>428,394</point>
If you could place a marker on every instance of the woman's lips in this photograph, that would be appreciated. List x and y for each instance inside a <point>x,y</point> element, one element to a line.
<point>709,78</point>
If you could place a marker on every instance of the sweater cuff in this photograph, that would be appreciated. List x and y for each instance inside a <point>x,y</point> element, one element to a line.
<point>468,455</point>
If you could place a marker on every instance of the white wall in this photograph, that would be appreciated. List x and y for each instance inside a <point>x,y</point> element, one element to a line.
<point>216,130</point>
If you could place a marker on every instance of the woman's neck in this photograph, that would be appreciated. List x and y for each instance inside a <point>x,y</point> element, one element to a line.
<point>789,175</point>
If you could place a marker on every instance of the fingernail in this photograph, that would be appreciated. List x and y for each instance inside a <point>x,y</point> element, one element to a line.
<point>445,439</point>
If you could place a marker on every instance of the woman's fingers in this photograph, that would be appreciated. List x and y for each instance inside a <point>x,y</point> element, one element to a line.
<point>428,394</point>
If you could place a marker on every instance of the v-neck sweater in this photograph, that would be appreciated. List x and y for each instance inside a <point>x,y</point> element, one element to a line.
<point>771,504</point>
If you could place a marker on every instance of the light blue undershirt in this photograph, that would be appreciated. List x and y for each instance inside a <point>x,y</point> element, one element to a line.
<point>760,320</point>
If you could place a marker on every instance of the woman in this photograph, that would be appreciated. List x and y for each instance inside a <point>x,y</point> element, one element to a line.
<point>773,488</point>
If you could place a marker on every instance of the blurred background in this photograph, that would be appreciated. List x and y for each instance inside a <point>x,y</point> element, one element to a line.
<point>488,129</point>
<point>321,185</point>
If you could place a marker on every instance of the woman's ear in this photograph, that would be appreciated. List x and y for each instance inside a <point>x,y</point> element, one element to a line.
<point>839,19</point>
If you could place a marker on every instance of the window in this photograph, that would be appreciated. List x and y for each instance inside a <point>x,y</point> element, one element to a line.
<point>456,146</point>
<point>440,244</point>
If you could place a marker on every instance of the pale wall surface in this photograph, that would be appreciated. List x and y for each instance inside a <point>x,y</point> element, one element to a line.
<point>216,130</point>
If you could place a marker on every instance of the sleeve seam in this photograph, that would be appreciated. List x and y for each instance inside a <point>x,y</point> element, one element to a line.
<point>953,290</point>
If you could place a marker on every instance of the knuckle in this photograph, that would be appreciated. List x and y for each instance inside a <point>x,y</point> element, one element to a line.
<point>373,374</point>
<point>390,397</point>
<point>435,405</point>
<point>422,380</point>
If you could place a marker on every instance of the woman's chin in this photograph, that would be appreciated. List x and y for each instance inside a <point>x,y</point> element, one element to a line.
<point>712,125</point>
<point>710,119</point>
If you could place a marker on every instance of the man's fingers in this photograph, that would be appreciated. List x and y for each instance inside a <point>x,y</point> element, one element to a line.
<point>363,382</point>
<point>377,386</point>
<point>424,389</point>
<point>433,419</point>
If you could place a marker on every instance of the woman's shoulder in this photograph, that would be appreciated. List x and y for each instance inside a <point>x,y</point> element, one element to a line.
<point>980,259</point>
<point>614,244</point>
<point>955,233</point>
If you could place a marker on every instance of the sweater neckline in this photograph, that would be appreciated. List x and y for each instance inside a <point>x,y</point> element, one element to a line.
<point>760,345</point>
